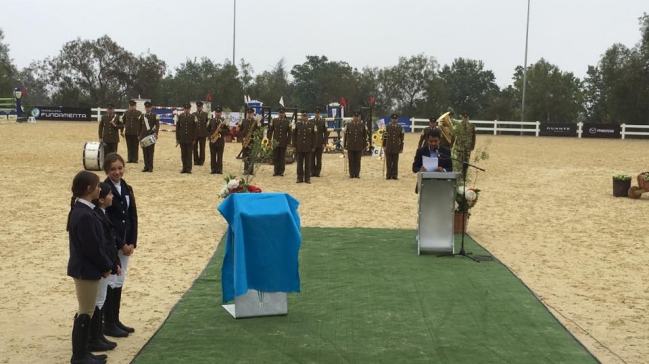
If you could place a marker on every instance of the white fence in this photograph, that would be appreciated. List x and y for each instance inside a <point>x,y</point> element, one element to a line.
<point>527,127</point>
<point>495,127</point>
<point>625,133</point>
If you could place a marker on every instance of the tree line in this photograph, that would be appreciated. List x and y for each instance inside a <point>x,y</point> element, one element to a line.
<point>88,73</point>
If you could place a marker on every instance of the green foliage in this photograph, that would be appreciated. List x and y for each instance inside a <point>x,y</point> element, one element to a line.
<point>617,89</point>
<point>95,72</point>
<point>552,95</point>
<point>8,72</point>
<point>622,177</point>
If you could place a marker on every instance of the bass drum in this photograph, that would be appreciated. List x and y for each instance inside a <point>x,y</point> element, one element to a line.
<point>93,156</point>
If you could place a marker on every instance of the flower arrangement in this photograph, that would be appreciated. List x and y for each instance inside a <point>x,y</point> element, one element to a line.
<point>237,185</point>
<point>622,177</point>
<point>465,199</point>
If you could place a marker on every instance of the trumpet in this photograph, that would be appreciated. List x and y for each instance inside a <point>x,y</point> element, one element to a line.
<point>217,133</point>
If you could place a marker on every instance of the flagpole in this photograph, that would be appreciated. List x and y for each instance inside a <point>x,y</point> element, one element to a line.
<point>527,35</point>
<point>234,32</point>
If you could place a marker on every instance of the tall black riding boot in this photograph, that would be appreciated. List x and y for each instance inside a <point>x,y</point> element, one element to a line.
<point>110,323</point>
<point>118,302</point>
<point>80,353</point>
<point>103,338</point>
<point>94,341</point>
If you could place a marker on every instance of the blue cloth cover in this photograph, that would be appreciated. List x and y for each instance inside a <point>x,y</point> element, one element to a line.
<point>263,243</point>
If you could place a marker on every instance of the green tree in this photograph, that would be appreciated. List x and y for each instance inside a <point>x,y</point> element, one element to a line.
<point>405,84</point>
<point>272,85</point>
<point>552,95</point>
<point>502,105</point>
<point>469,86</point>
<point>34,79</point>
<point>319,81</point>
<point>146,76</point>
<point>617,89</point>
<point>8,72</point>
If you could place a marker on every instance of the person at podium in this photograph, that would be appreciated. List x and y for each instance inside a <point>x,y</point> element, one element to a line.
<point>434,156</point>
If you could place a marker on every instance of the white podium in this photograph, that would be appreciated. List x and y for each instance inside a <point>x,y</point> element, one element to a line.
<point>436,220</point>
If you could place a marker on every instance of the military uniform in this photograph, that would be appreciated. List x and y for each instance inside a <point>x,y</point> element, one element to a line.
<point>201,135</point>
<point>217,148</point>
<point>465,141</point>
<point>320,141</point>
<point>133,123</point>
<point>247,126</point>
<point>280,130</point>
<point>110,125</point>
<point>392,146</point>
<point>186,127</point>
<point>304,143</point>
<point>423,139</point>
<point>355,139</point>
<point>154,127</point>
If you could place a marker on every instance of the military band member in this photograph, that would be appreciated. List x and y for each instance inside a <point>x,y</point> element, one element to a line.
<point>247,129</point>
<point>321,136</point>
<point>355,140</point>
<point>132,125</point>
<point>110,126</point>
<point>217,128</point>
<point>201,134</point>
<point>280,130</point>
<point>423,140</point>
<point>465,140</point>
<point>304,144</point>
<point>392,147</point>
<point>186,127</point>
<point>150,126</point>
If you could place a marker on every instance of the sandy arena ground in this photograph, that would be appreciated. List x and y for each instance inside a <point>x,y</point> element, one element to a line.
<point>546,211</point>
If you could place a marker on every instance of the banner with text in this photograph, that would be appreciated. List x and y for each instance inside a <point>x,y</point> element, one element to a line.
<point>558,129</point>
<point>600,131</point>
<point>62,113</point>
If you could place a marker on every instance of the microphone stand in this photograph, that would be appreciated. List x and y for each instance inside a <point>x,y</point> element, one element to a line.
<point>474,257</point>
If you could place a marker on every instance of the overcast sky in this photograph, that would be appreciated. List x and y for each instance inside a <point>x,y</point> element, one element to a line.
<point>570,33</point>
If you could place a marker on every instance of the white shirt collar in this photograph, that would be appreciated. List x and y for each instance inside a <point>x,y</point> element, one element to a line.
<point>87,203</point>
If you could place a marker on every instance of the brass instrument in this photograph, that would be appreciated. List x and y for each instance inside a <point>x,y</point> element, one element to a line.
<point>217,133</point>
<point>248,138</point>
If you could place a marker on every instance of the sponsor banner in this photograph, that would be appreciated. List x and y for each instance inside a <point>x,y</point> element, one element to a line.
<point>600,131</point>
<point>62,113</point>
<point>558,129</point>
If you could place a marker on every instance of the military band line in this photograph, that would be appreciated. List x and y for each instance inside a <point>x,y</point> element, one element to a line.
<point>306,137</point>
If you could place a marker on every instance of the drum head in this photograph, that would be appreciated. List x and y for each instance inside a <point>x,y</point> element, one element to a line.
<point>93,156</point>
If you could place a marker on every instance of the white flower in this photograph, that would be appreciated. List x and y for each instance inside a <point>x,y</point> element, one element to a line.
<point>233,183</point>
<point>470,195</point>
<point>461,190</point>
<point>224,191</point>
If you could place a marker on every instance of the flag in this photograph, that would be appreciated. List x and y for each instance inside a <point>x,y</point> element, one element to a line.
<point>371,100</point>
<point>208,97</point>
<point>281,101</point>
<point>343,103</point>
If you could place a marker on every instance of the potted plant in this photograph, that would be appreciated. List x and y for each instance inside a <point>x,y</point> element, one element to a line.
<point>465,200</point>
<point>621,185</point>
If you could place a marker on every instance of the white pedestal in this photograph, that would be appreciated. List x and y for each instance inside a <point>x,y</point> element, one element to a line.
<point>256,304</point>
<point>435,226</point>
